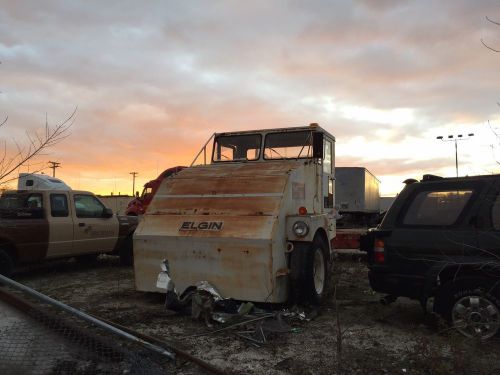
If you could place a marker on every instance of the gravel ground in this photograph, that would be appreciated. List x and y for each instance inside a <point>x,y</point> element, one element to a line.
<point>367,337</point>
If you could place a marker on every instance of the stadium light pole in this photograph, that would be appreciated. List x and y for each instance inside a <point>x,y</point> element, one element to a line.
<point>455,138</point>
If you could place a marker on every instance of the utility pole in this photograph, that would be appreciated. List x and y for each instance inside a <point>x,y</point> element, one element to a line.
<point>455,138</point>
<point>133,182</point>
<point>53,166</point>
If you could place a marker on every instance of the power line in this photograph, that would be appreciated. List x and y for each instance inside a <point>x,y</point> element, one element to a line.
<point>53,166</point>
<point>133,182</point>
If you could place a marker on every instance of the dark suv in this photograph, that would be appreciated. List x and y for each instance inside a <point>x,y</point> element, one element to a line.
<point>439,243</point>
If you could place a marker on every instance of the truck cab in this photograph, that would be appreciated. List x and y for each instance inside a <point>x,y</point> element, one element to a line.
<point>255,221</point>
<point>139,204</point>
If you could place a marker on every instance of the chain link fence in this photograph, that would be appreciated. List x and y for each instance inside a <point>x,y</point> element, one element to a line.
<point>38,338</point>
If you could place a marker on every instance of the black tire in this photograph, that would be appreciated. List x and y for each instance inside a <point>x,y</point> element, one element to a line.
<point>6,263</point>
<point>127,252</point>
<point>310,272</point>
<point>472,306</point>
<point>87,258</point>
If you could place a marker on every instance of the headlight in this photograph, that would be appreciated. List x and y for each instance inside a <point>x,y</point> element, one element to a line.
<point>300,229</point>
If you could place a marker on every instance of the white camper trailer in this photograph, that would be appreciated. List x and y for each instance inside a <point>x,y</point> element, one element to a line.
<point>32,181</point>
<point>255,223</point>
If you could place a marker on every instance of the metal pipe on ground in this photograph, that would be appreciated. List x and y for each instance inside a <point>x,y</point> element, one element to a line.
<point>86,317</point>
<point>207,366</point>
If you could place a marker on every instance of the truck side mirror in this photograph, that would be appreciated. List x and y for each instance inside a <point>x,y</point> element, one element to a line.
<point>107,213</point>
<point>318,145</point>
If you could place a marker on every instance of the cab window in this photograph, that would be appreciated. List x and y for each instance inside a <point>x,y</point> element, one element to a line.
<point>327,159</point>
<point>22,205</point>
<point>288,145</point>
<point>237,147</point>
<point>34,201</point>
<point>88,206</point>
<point>21,201</point>
<point>147,191</point>
<point>59,205</point>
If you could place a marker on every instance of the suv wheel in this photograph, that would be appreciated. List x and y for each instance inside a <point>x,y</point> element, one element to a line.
<point>6,263</point>
<point>474,309</point>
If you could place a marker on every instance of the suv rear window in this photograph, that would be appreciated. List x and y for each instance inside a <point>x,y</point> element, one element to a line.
<point>437,207</point>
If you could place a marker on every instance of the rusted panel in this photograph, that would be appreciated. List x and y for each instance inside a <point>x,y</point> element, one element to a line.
<point>243,206</point>
<point>237,268</point>
<point>242,257</point>
<point>257,227</point>
<point>241,169</point>
<point>220,185</point>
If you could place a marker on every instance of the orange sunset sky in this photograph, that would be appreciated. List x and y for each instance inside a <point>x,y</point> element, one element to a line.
<point>152,81</point>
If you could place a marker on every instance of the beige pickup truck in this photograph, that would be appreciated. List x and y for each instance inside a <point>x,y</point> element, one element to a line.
<point>48,223</point>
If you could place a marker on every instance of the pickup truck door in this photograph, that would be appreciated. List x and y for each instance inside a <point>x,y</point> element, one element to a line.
<point>60,225</point>
<point>93,232</point>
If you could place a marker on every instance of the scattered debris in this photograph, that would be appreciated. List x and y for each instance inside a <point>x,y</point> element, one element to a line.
<point>205,303</point>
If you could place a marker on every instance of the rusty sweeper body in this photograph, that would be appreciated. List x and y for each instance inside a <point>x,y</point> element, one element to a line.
<point>255,222</point>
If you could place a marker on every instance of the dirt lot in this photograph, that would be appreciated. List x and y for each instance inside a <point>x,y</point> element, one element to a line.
<point>374,338</point>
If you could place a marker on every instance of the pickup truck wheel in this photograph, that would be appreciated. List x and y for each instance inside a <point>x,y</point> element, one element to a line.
<point>473,308</point>
<point>126,253</point>
<point>310,285</point>
<point>87,258</point>
<point>6,263</point>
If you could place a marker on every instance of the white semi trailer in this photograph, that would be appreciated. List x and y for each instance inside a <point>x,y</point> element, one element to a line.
<point>255,221</point>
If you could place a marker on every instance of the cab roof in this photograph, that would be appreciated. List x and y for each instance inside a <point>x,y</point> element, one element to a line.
<point>312,127</point>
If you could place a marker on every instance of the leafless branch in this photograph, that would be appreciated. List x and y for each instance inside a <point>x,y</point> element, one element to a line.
<point>493,130</point>
<point>35,145</point>
<point>495,22</point>
<point>490,48</point>
<point>484,43</point>
<point>4,121</point>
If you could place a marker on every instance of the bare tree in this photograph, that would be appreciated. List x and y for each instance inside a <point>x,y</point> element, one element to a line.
<point>484,43</point>
<point>35,144</point>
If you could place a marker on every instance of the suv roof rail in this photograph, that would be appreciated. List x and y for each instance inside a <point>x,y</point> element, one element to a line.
<point>409,181</point>
<point>431,177</point>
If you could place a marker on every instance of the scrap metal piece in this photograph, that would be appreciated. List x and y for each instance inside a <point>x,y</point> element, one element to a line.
<point>277,325</point>
<point>202,306</point>
<point>245,308</point>
<point>209,288</point>
<point>221,317</point>
<point>272,324</point>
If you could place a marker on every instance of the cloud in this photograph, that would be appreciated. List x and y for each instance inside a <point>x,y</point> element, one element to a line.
<point>154,80</point>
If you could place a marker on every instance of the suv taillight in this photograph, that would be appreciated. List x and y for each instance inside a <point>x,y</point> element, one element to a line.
<point>379,251</point>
